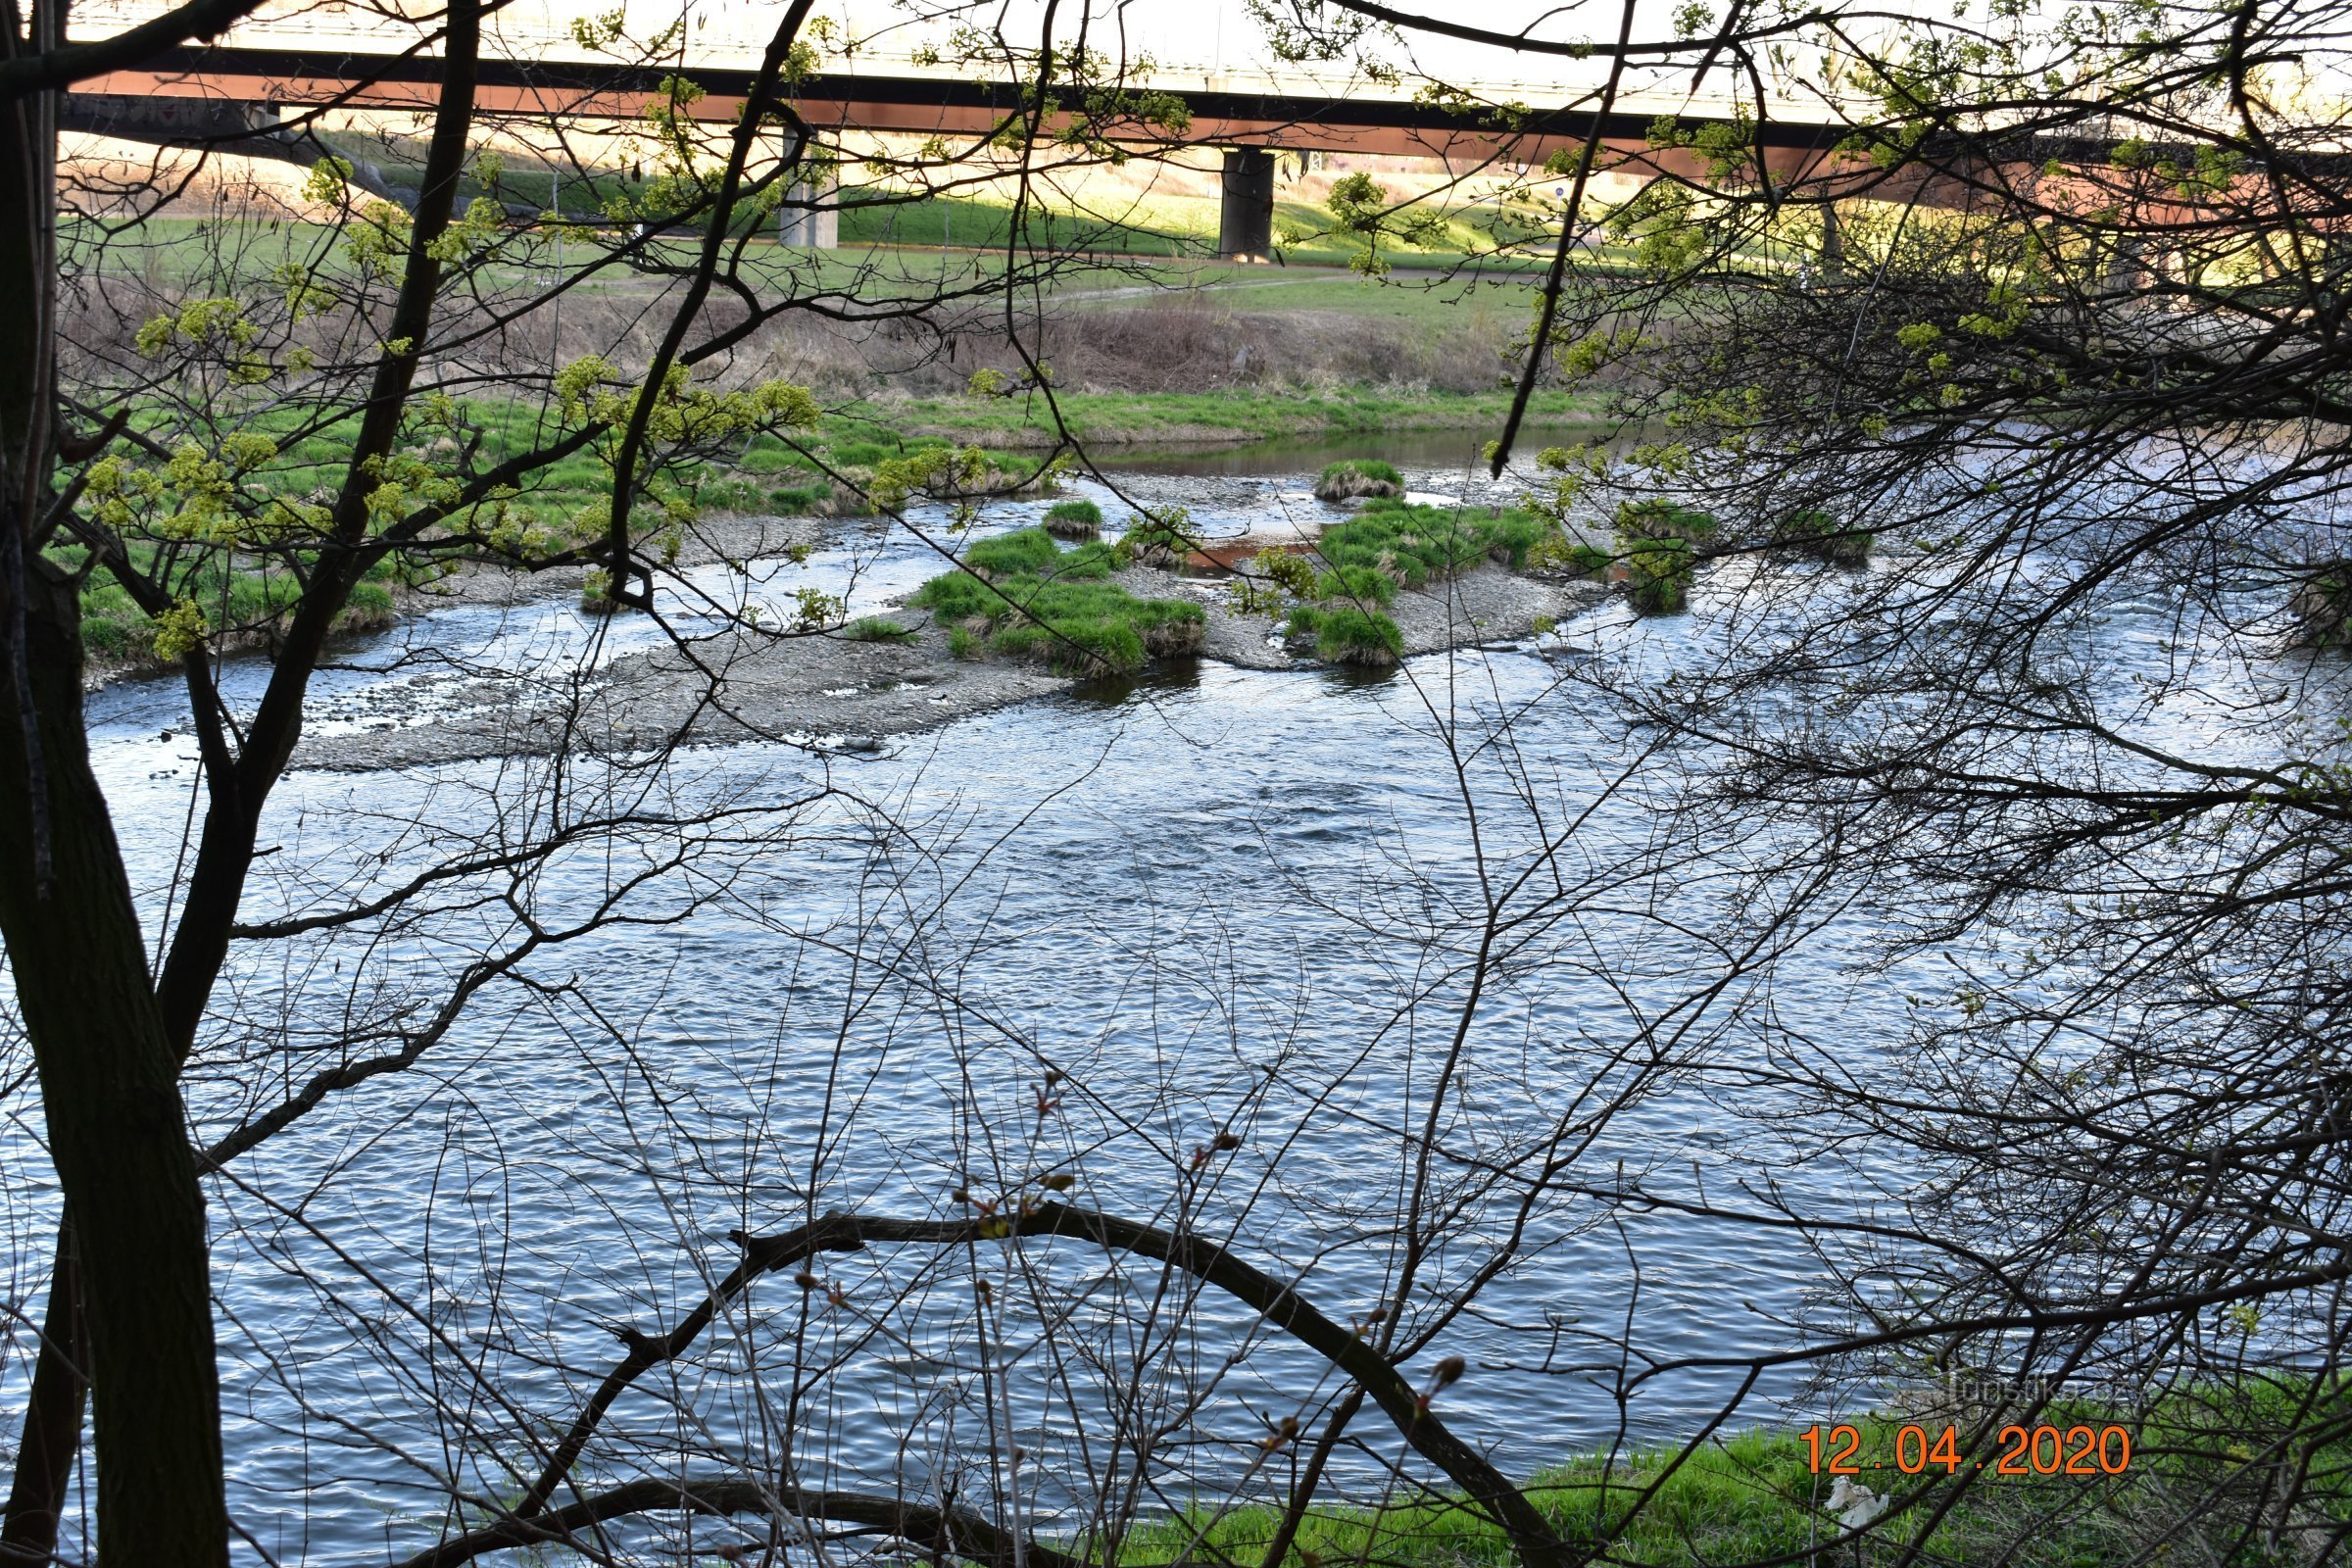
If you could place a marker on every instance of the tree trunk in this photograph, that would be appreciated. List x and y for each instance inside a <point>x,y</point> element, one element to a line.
<point>53,1411</point>
<point>116,1133</point>
<point>108,1073</point>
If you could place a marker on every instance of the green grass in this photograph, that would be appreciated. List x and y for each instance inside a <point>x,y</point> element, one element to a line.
<point>853,451</point>
<point>247,594</point>
<point>1752,1497</point>
<point>969,223</point>
<point>878,629</point>
<point>1032,553</point>
<point>1074,519</point>
<point>884,248</point>
<point>1414,543</point>
<point>1365,468</point>
<point>1358,476</point>
<point>1346,634</point>
<point>243,599</point>
<point>569,498</point>
<point>1358,585</point>
<point>1747,1500</point>
<point>1170,226</point>
<point>1021,595</point>
<point>1236,416</point>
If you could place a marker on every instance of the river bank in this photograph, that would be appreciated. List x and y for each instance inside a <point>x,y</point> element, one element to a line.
<point>1764,1496</point>
<point>713,541</point>
<point>1227,417</point>
<point>773,487</point>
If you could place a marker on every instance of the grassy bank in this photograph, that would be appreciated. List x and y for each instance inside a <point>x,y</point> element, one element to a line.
<point>244,597</point>
<point>181,254</point>
<point>1175,419</point>
<point>1754,1498</point>
<point>248,599</point>
<point>1176,227</point>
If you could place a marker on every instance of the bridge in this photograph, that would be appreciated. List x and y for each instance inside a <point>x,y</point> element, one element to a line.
<point>239,98</point>
<point>251,97</point>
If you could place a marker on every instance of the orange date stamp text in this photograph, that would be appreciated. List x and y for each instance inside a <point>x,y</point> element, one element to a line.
<point>2041,1450</point>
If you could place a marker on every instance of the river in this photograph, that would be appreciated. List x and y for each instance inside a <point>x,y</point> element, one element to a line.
<point>1213,899</point>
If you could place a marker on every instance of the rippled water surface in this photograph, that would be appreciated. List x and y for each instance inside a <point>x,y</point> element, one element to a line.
<point>1224,898</point>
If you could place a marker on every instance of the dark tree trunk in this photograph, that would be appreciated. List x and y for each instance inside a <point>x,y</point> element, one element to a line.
<point>109,1074</point>
<point>116,1133</point>
<point>52,1432</point>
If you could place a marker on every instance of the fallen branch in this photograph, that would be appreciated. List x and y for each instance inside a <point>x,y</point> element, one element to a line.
<point>944,1532</point>
<point>1276,1302</point>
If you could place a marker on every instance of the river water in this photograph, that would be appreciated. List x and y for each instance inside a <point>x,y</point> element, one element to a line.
<point>1216,899</point>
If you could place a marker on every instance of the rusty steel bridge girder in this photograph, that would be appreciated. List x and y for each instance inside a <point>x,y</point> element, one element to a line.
<point>246,93</point>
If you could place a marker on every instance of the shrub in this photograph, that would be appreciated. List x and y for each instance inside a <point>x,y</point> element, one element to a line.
<point>1245,598</point>
<point>1591,559</point>
<point>1656,540</point>
<point>1657,519</point>
<point>1293,574</point>
<point>1816,533</point>
<point>1557,552</point>
<point>878,629</point>
<point>1658,574</point>
<point>1157,540</point>
<point>1074,519</point>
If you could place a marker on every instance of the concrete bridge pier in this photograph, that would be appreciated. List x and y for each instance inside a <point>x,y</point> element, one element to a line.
<point>810,217</point>
<point>1246,217</point>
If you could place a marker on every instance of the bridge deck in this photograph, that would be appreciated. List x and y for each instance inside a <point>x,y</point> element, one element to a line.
<point>916,103</point>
